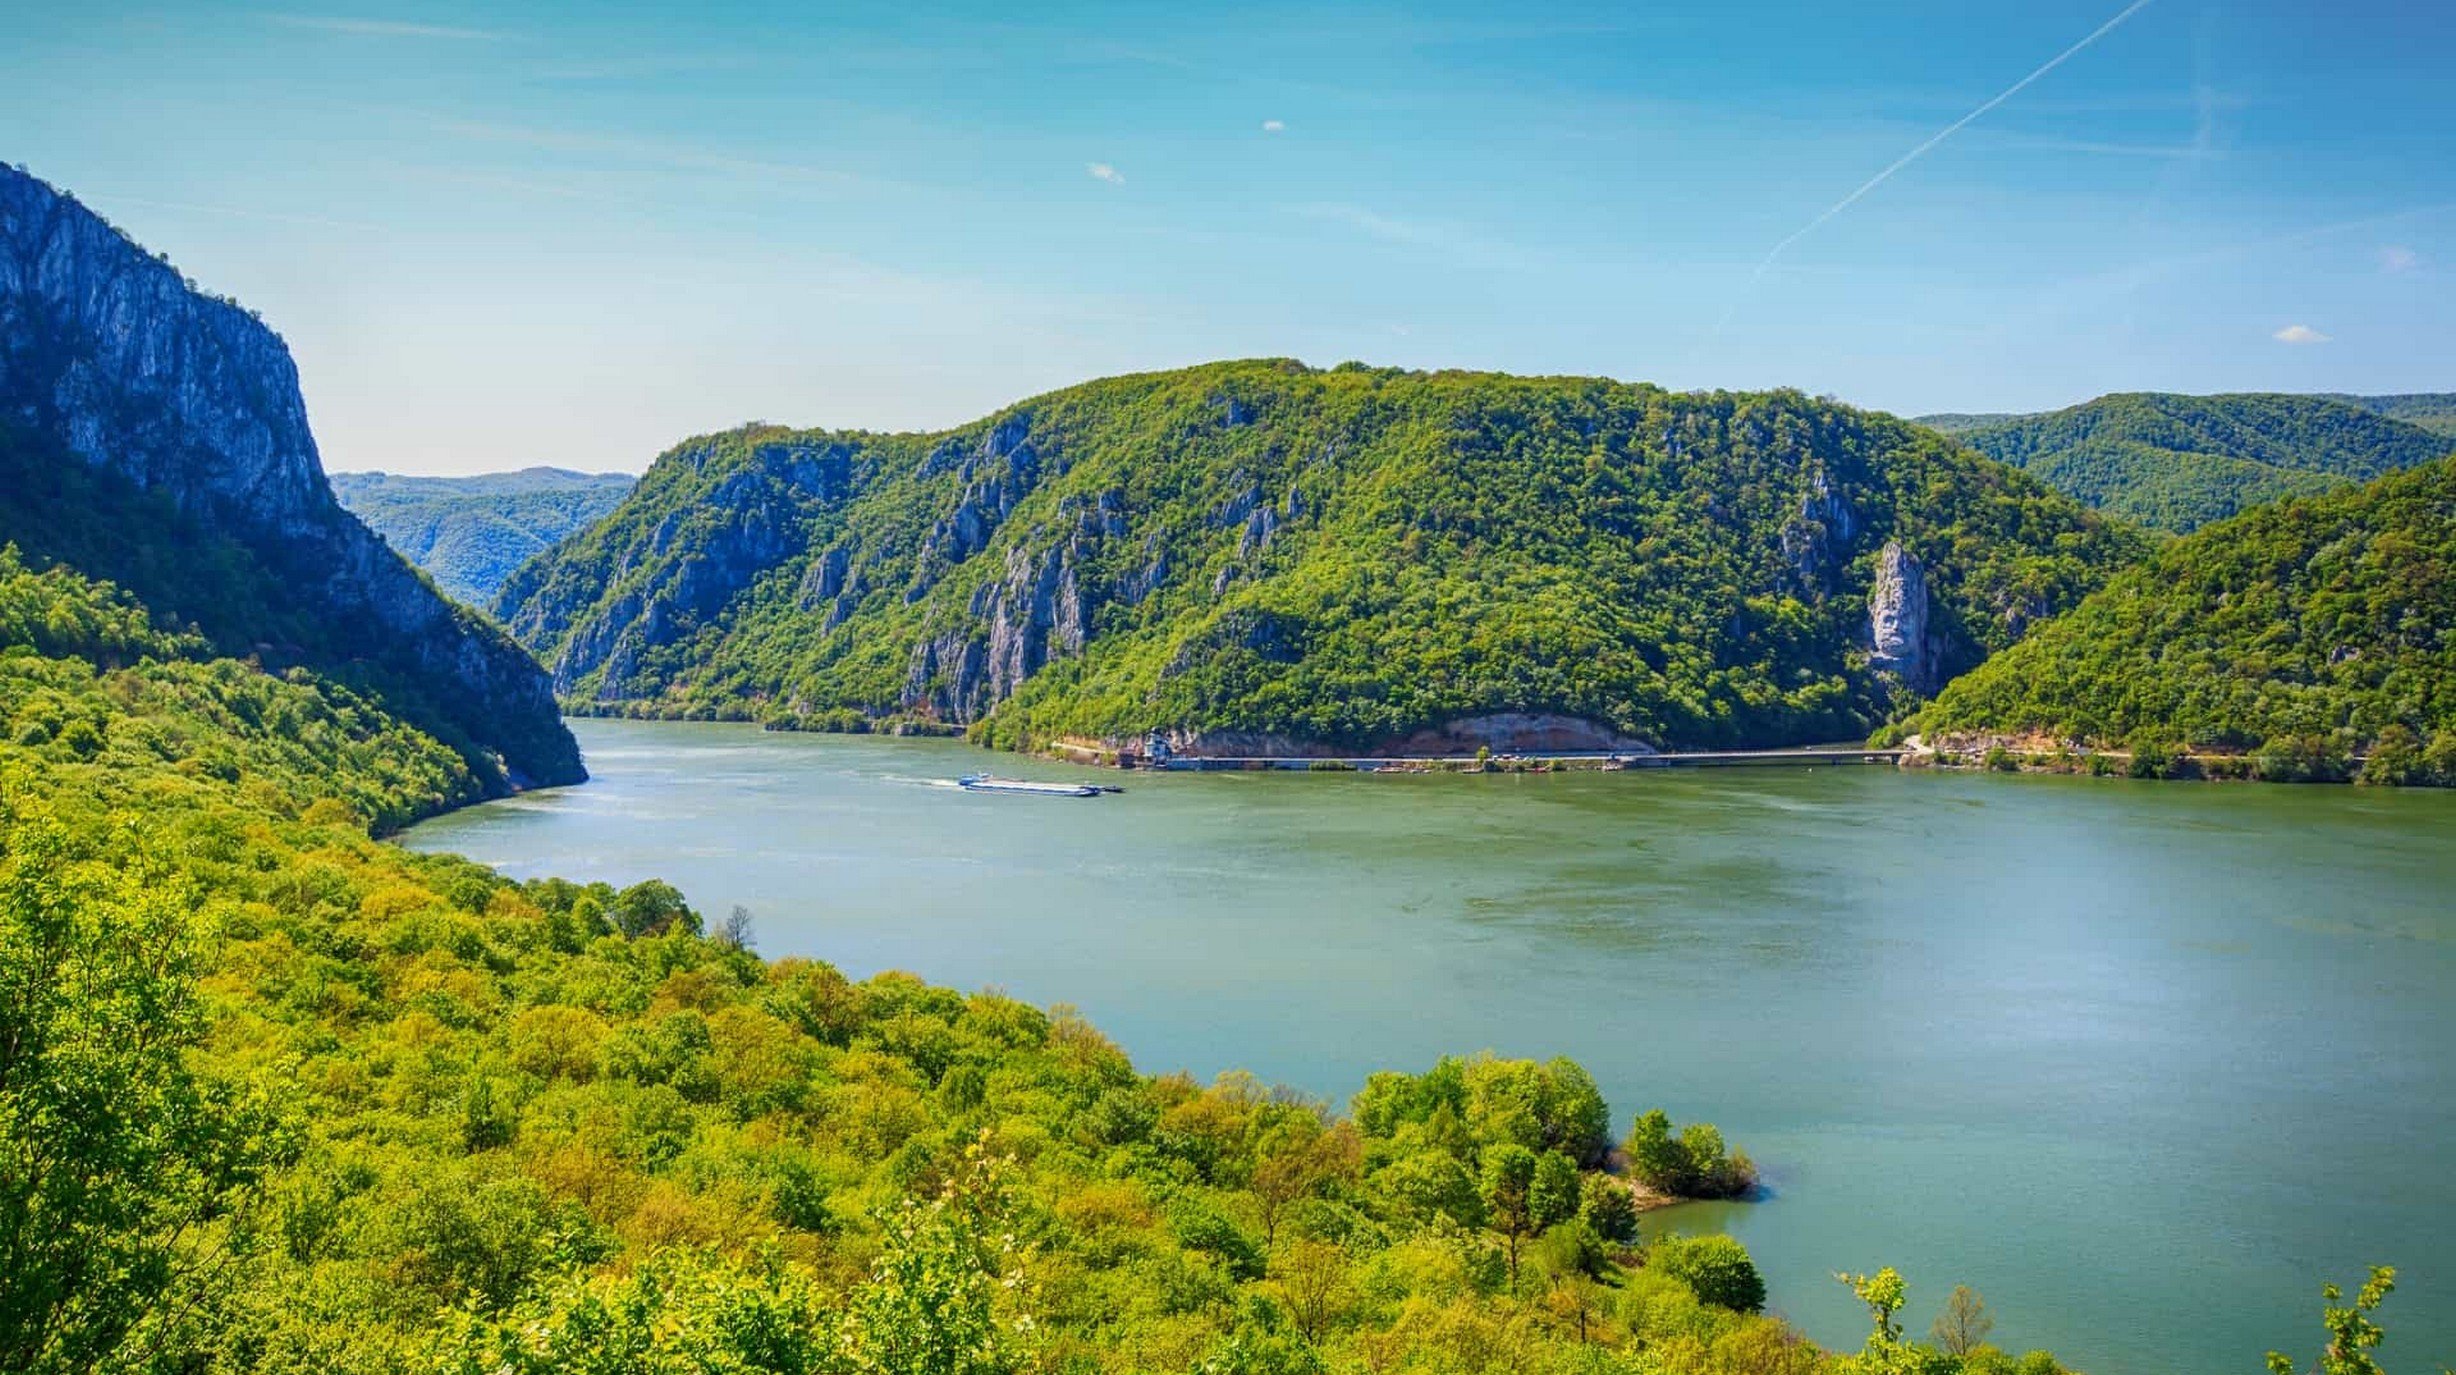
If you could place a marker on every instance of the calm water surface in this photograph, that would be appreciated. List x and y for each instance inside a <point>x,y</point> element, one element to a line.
<point>2144,1064</point>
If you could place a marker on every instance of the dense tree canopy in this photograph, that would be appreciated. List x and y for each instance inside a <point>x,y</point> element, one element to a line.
<point>1344,556</point>
<point>2319,627</point>
<point>2178,462</point>
<point>280,1097</point>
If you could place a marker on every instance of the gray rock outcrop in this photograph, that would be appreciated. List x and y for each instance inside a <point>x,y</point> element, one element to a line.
<point>112,358</point>
<point>1901,647</point>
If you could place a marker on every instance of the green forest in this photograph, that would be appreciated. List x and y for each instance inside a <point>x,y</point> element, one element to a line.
<point>232,598</point>
<point>469,533</point>
<point>2175,463</point>
<point>279,1096</point>
<point>2308,631</point>
<point>1279,553</point>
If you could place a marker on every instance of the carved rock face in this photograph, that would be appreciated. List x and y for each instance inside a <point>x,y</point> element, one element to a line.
<point>1897,621</point>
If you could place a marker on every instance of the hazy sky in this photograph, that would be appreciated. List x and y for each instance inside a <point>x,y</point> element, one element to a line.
<point>574,233</point>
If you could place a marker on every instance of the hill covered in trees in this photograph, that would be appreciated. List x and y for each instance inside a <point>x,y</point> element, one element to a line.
<point>2177,462</point>
<point>276,1097</point>
<point>2433,411</point>
<point>469,533</point>
<point>2315,628</point>
<point>155,436</point>
<point>1259,556</point>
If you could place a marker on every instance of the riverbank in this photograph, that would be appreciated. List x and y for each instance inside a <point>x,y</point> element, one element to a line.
<point>2310,760</point>
<point>1100,755</point>
<point>1893,985</point>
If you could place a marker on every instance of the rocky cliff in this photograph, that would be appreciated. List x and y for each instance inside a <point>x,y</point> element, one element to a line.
<point>203,492</point>
<point>1267,553</point>
<point>1900,643</point>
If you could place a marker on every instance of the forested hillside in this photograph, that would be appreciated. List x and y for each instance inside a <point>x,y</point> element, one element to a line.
<point>277,1097</point>
<point>2433,411</point>
<point>1261,556</point>
<point>2178,462</point>
<point>155,436</point>
<point>2315,628</point>
<point>469,533</point>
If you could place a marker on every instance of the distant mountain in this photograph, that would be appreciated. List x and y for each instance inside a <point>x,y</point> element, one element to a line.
<point>154,436</point>
<point>1259,556</point>
<point>1960,423</point>
<point>2433,411</point>
<point>2178,462</point>
<point>2331,616</point>
<point>469,533</point>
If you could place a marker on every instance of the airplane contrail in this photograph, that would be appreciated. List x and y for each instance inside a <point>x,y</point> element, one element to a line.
<point>1940,136</point>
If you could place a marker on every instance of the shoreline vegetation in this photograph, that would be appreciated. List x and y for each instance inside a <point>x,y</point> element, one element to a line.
<point>277,1096</point>
<point>280,1096</point>
<point>2398,759</point>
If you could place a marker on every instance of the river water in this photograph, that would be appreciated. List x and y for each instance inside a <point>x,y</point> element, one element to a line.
<point>2143,1063</point>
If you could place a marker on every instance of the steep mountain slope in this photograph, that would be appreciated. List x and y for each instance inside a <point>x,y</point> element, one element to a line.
<point>155,437</point>
<point>1260,556</point>
<point>2331,616</point>
<point>469,533</point>
<point>2178,462</point>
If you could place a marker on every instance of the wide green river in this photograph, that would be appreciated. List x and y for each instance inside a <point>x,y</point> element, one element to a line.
<point>2145,1064</point>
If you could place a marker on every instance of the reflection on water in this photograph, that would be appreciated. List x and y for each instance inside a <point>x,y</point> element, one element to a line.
<point>2144,1064</point>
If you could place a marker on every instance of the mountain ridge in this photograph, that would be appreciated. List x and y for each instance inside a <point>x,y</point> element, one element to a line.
<point>2329,618</point>
<point>469,533</point>
<point>142,420</point>
<point>2176,462</point>
<point>1260,555</point>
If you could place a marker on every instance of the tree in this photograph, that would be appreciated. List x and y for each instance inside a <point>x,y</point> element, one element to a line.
<point>1883,1293</point>
<point>648,908</point>
<point>2352,1336</point>
<point>1691,1163</point>
<point>1965,1322</point>
<point>1717,1269</point>
<point>1294,1161</point>
<point>1608,1208</point>
<point>930,1305</point>
<point>1523,1195</point>
<point>1553,1197</point>
<point>737,932</point>
<point>116,1156</point>
<point>1655,1155</point>
<point>1311,1278</point>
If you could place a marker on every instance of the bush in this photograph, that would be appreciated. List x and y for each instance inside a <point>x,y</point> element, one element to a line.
<point>2396,759</point>
<point>1608,1209</point>
<point>1687,1164</point>
<point>2154,759</point>
<point>2303,759</point>
<point>1717,1269</point>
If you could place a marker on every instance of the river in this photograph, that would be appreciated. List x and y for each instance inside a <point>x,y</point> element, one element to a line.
<point>2143,1063</point>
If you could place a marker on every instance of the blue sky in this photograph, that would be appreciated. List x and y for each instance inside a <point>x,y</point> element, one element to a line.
<point>516,233</point>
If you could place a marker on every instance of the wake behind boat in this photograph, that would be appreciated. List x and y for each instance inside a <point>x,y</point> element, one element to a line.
<point>984,783</point>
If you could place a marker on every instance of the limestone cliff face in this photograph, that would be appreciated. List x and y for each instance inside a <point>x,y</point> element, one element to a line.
<point>1901,647</point>
<point>108,357</point>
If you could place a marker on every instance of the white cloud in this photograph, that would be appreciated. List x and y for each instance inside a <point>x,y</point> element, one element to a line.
<point>2300,334</point>
<point>1101,171</point>
<point>2396,257</point>
<point>1274,126</point>
<point>377,28</point>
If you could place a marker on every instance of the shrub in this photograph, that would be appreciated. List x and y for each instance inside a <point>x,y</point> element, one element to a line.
<point>2303,759</point>
<point>1717,1269</point>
